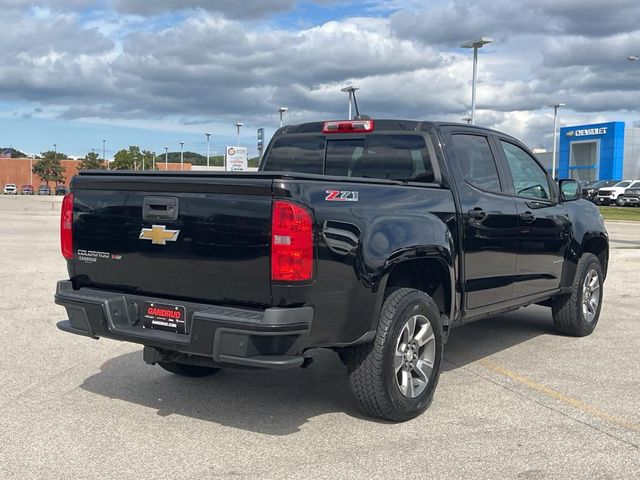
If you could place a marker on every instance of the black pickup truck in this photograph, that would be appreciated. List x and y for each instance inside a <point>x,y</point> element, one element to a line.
<point>369,237</point>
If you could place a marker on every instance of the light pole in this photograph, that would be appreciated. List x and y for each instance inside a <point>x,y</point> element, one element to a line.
<point>555,137</point>
<point>475,44</point>
<point>282,110</point>
<point>208,135</point>
<point>55,152</point>
<point>166,158</point>
<point>153,160</point>
<point>104,149</point>
<point>181,155</point>
<point>238,125</point>
<point>351,90</point>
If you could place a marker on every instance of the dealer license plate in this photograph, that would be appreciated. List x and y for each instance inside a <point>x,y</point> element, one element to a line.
<point>162,316</point>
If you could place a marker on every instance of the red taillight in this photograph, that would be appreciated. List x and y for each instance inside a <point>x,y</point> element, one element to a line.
<point>348,126</point>
<point>66,226</point>
<point>291,242</point>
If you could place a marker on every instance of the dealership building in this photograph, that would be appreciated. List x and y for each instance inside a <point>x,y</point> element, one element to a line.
<point>600,151</point>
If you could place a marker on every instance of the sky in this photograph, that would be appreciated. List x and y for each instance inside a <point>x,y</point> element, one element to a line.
<point>154,73</point>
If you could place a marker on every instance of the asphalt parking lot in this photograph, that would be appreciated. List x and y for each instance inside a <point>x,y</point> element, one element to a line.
<point>515,399</point>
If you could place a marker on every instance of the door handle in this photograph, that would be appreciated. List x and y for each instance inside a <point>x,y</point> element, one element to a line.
<point>527,217</point>
<point>477,214</point>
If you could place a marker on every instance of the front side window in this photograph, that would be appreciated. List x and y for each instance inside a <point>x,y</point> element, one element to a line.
<point>529,179</point>
<point>622,184</point>
<point>476,161</point>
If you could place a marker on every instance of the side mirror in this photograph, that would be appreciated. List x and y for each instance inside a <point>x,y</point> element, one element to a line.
<point>570,190</point>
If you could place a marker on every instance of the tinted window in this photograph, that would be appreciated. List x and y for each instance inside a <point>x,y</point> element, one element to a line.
<point>529,179</point>
<point>393,157</point>
<point>622,184</point>
<point>635,185</point>
<point>304,154</point>
<point>476,161</point>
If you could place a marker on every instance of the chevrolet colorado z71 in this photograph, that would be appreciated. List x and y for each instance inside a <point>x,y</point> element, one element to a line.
<point>369,237</point>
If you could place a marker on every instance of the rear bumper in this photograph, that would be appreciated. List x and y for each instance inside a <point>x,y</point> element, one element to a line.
<point>271,338</point>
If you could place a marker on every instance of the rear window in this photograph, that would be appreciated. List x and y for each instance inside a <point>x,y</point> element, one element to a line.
<point>393,156</point>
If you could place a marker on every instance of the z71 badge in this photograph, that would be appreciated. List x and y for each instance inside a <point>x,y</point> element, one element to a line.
<point>341,196</point>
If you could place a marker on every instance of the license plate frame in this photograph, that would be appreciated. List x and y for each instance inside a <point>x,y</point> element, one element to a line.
<point>166,317</point>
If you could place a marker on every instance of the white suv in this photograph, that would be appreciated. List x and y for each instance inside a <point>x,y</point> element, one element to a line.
<point>614,194</point>
<point>10,189</point>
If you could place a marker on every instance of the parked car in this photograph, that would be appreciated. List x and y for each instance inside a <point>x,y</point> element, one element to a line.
<point>369,238</point>
<point>27,189</point>
<point>590,189</point>
<point>44,190</point>
<point>614,194</point>
<point>631,197</point>
<point>10,189</point>
<point>61,190</point>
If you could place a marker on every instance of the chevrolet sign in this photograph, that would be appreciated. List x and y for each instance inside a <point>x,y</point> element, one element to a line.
<point>587,131</point>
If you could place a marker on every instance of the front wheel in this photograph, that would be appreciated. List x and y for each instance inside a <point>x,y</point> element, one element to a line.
<point>395,376</point>
<point>619,201</point>
<point>577,314</point>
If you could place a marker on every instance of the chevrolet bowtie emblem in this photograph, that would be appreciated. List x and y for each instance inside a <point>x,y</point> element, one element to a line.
<point>159,235</point>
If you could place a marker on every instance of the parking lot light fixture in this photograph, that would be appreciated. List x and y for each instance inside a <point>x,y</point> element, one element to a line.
<point>238,125</point>
<point>633,58</point>
<point>208,135</point>
<point>351,90</point>
<point>475,44</point>
<point>282,110</point>
<point>555,138</point>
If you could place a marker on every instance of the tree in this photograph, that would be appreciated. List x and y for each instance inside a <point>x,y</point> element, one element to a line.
<point>51,155</point>
<point>13,152</point>
<point>49,170</point>
<point>127,159</point>
<point>91,161</point>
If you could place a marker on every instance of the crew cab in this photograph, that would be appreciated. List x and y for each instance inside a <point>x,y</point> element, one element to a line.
<point>615,193</point>
<point>374,238</point>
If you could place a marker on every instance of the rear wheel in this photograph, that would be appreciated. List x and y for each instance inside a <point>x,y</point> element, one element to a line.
<point>186,370</point>
<point>577,314</point>
<point>395,376</point>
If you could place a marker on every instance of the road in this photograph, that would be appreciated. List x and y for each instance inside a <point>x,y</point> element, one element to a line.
<point>515,399</point>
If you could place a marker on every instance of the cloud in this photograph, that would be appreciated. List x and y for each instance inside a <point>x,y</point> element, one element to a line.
<point>246,9</point>
<point>214,61</point>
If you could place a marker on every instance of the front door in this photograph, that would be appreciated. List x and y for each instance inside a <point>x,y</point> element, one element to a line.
<point>543,223</point>
<point>489,219</point>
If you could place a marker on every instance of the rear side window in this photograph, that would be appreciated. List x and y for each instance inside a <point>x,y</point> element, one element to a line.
<point>392,157</point>
<point>476,161</point>
<point>304,154</point>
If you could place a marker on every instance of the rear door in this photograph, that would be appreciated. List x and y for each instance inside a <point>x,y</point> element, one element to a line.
<point>488,216</point>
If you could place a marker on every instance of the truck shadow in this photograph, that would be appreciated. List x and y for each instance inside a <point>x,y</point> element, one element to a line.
<point>281,402</point>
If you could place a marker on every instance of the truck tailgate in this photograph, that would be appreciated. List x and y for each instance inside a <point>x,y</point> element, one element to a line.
<point>214,247</point>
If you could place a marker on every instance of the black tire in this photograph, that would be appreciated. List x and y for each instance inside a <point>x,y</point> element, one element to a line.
<point>619,201</point>
<point>186,370</point>
<point>568,312</point>
<point>372,376</point>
